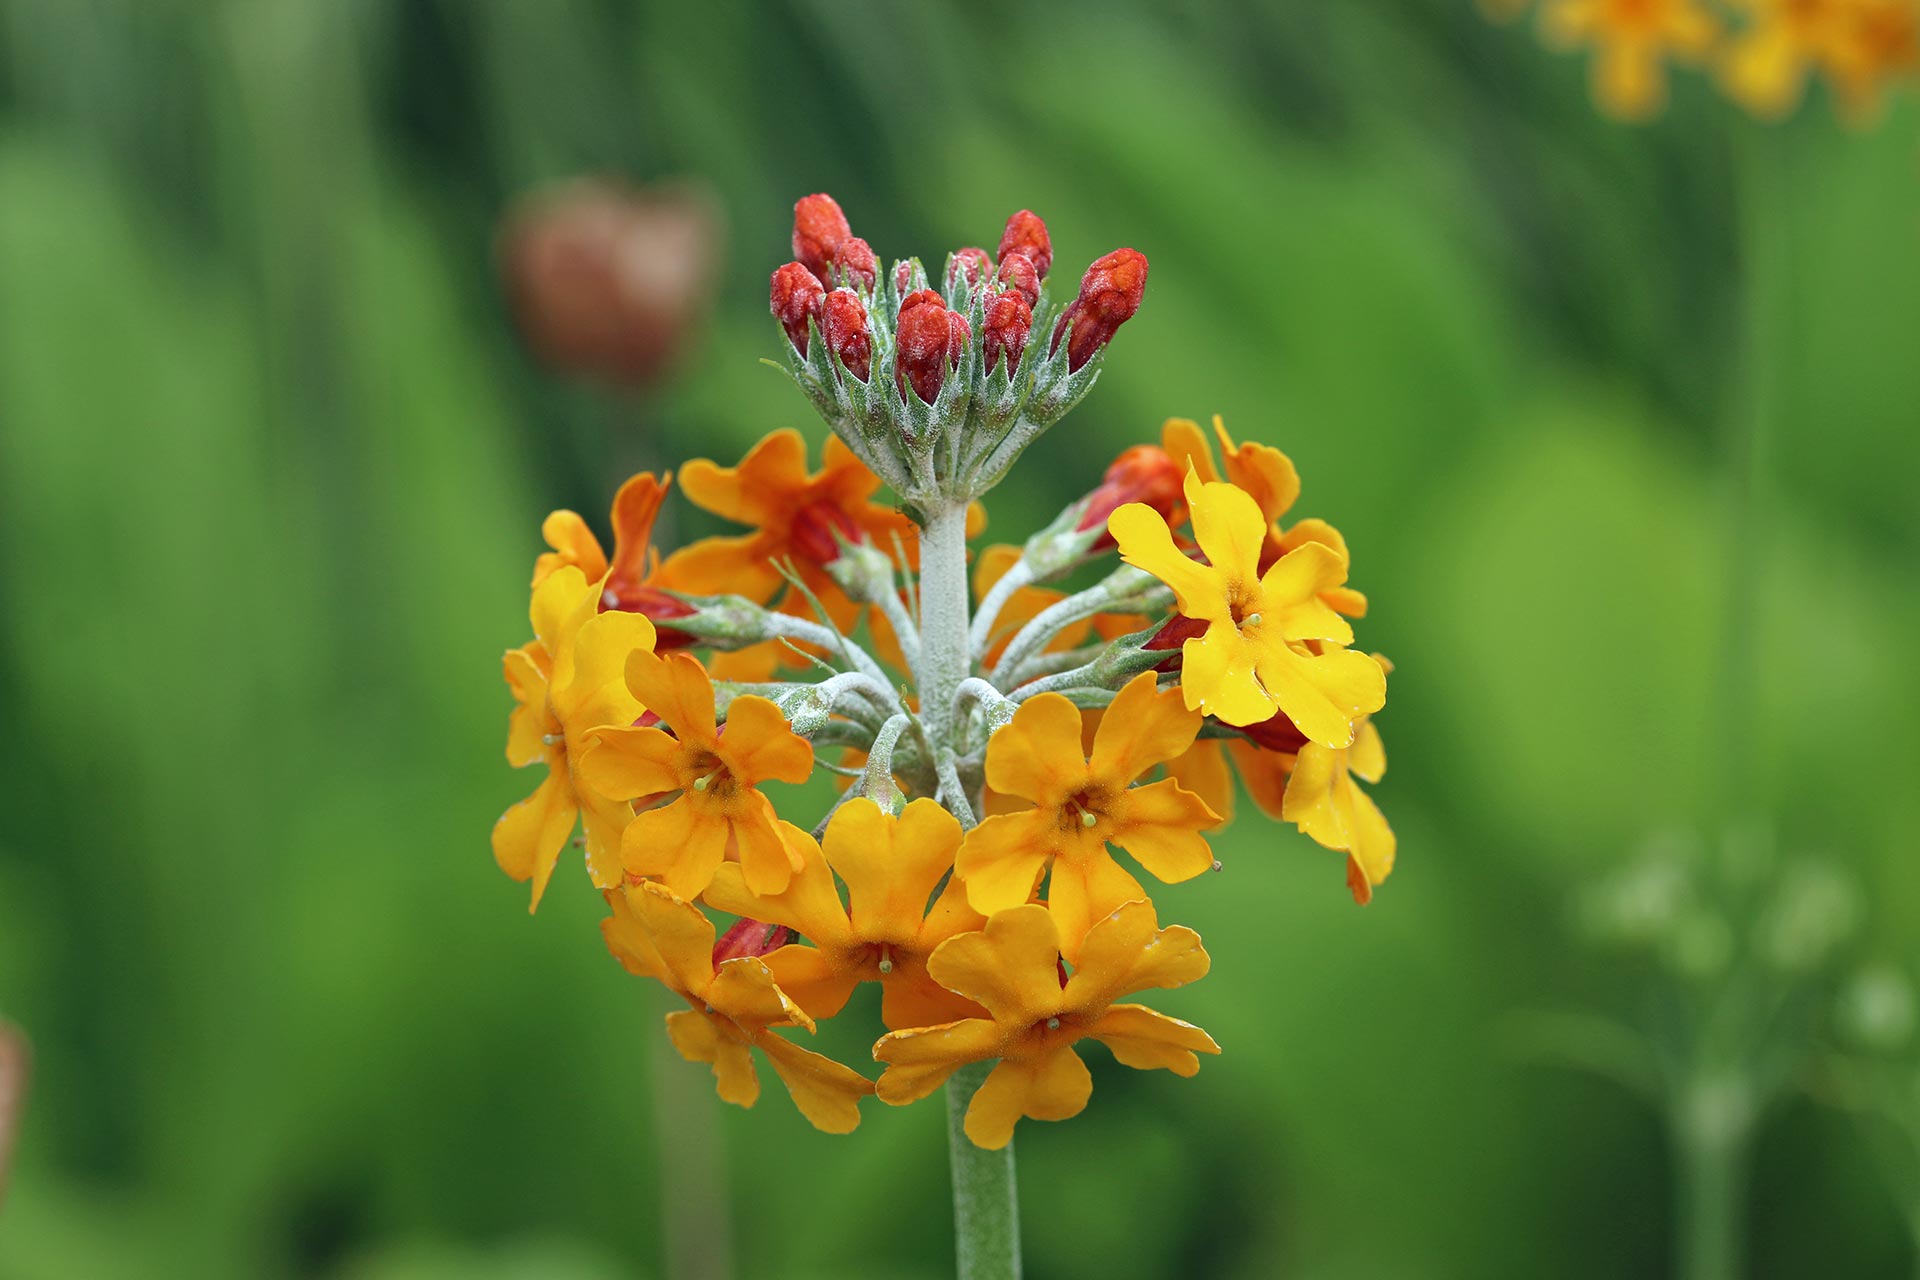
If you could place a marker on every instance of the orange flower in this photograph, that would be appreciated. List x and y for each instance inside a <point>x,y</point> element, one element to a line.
<point>1012,968</point>
<point>1081,804</point>
<point>566,684</point>
<point>720,813</point>
<point>891,867</point>
<point>795,516</point>
<point>1632,40</point>
<point>735,1004</point>
<point>1269,478</point>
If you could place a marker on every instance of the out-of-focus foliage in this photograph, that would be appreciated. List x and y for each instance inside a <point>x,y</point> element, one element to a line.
<point>271,469</point>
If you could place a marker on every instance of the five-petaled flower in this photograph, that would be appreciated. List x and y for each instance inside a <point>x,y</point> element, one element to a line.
<point>565,683</point>
<point>1012,968</point>
<point>886,930</point>
<point>1253,659</point>
<point>734,1006</point>
<point>719,814</point>
<point>1081,804</point>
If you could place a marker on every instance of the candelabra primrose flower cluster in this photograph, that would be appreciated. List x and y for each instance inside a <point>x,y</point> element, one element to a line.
<point>1037,731</point>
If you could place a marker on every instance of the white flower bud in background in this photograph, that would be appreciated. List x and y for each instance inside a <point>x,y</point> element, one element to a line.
<point>1815,908</point>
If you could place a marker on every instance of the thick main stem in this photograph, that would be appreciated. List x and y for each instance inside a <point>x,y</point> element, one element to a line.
<point>944,653</point>
<point>986,1208</point>
<point>1712,1185</point>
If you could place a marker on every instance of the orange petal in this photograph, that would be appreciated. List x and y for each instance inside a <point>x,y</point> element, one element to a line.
<point>1037,755</point>
<point>624,764</point>
<point>679,932</point>
<point>1144,1039</point>
<point>675,687</point>
<point>682,844</point>
<point>1126,952</point>
<point>1010,967</point>
<point>759,745</point>
<point>758,491</point>
<point>920,1060</point>
<point>827,1093</point>
<point>1001,859</point>
<point>811,979</point>
<point>891,865</point>
<point>1053,1087</point>
<point>573,545</point>
<point>1160,826</point>
<point>700,1038</point>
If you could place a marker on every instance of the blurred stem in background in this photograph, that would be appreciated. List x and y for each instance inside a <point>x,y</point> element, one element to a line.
<point>1715,1113</point>
<point>986,1202</point>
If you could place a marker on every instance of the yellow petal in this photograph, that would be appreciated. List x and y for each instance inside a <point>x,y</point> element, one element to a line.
<point>681,844</point>
<point>598,692</point>
<point>758,744</point>
<point>1323,694</point>
<point>1001,859</point>
<point>919,1060</point>
<point>1218,676</point>
<point>529,724</point>
<point>1373,841</point>
<point>1160,826</point>
<point>624,764</point>
<point>744,990</point>
<point>1126,952</point>
<point>1053,1087</point>
<point>1145,1040</point>
<point>573,545</point>
<point>1010,967</point>
<point>891,865</point>
<point>1187,445</point>
<point>528,837</point>
<point>1202,769</point>
<point>1229,528</point>
<point>827,1093</point>
<point>1142,727</point>
<point>700,1038</point>
<point>679,931</point>
<point>1290,595</point>
<point>1310,802</point>
<point>766,862</point>
<point>809,902</point>
<point>1146,543</point>
<point>1084,889</point>
<point>675,687</point>
<point>1367,758</point>
<point>1037,755</point>
<point>1267,475</point>
<point>811,979</point>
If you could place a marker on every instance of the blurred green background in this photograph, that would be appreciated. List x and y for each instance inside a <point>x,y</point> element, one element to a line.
<point>273,458</point>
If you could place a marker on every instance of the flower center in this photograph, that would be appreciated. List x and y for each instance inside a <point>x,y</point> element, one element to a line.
<point>1084,810</point>
<point>712,777</point>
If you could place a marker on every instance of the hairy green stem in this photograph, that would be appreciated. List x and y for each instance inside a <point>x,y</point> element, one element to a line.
<point>986,1206</point>
<point>944,653</point>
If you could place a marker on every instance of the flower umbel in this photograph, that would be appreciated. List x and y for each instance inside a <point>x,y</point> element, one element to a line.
<point>1041,731</point>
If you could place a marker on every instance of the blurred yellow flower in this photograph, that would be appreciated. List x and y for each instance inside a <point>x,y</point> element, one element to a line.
<point>735,1004</point>
<point>566,683</point>
<point>719,813</point>
<point>1252,659</point>
<point>1081,804</point>
<point>885,931</point>
<point>1632,40</point>
<point>1012,969</point>
<point>1858,45</point>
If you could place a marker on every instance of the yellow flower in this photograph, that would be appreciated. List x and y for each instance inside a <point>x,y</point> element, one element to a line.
<point>1632,41</point>
<point>1253,659</point>
<point>1268,476</point>
<point>1322,800</point>
<point>891,867</point>
<point>734,1006</point>
<point>719,814</point>
<point>1012,968</point>
<point>566,683</point>
<point>1082,804</point>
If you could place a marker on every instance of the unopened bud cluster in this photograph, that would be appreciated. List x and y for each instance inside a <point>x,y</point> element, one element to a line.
<point>940,389</point>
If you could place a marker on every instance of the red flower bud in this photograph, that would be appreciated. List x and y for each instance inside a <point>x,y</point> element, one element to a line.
<point>959,333</point>
<point>1145,473</point>
<point>1110,293</point>
<point>1175,633</point>
<point>921,297</point>
<point>846,332</point>
<point>902,275</point>
<point>1026,234</point>
<point>818,229</point>
<point>854,257</point>
<point>971,262</point>
<point>1009,320</point>
<point>750,938</point>
<point>921,343</point>
<point>1017,273</point>
<point>794,295</point>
